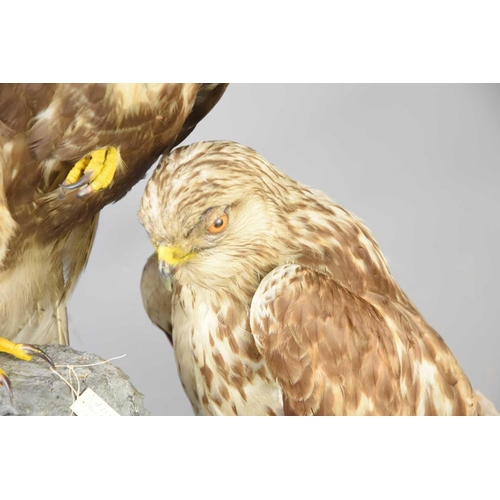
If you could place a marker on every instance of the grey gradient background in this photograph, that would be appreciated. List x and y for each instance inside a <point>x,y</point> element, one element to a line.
<point>418,163</point>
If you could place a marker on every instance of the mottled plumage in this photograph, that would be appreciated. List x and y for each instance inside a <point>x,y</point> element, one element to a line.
<point>290,308</point>
<point>46,235</point>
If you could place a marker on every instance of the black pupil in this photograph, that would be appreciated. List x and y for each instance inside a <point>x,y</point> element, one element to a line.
<point>218,223</point>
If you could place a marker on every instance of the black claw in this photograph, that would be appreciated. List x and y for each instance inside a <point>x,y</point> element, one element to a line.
<point>79,183</point>
<point>6,382</point>
<point>34,351</point>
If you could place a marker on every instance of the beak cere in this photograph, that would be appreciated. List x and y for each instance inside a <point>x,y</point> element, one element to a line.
<point>169,261</point>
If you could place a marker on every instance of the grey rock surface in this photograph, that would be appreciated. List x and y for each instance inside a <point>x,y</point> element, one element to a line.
<point>39,391</point>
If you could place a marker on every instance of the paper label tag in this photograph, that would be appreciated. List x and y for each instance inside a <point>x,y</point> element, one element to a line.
<point>89,404</point>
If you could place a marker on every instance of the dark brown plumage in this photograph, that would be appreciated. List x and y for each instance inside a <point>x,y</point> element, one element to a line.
<point>46,233</point>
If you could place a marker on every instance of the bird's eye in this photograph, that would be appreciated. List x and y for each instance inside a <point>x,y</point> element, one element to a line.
<point>219,224</point>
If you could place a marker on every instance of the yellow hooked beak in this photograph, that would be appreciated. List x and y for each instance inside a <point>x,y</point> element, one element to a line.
<point>169,261</point>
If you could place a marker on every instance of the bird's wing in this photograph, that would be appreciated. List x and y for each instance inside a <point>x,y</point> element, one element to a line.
<point>207,97</point>
<point>85,117</point>
<point>19,103</point>
<point>157,300</point>
<point>335,353</point>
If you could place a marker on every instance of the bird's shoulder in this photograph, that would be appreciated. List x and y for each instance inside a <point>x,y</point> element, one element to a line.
<point>298,298</point>
<point>335,352</point>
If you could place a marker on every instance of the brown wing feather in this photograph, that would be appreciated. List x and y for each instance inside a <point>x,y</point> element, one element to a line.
<point>335,353</point>
<point>157,300</point>
<point>208,96</point>
<point>20,102</point>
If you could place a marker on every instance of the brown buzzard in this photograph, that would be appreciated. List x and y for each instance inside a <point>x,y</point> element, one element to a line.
<point>282,301</point>
<point>66,151</point>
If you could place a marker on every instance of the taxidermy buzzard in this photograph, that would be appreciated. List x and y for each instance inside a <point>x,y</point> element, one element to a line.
<point>66,151</point>
<point>282,301</point>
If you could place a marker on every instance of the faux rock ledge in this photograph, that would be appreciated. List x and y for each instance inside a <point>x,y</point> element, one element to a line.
<point>39,391</point>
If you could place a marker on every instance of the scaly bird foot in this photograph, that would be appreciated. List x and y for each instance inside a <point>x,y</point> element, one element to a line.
<point>92,173</point>
<point>21,351</point>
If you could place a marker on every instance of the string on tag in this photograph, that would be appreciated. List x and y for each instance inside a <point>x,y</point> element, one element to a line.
<point>75,393</point>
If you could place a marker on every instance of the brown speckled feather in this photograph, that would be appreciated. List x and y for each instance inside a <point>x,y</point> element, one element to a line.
<point>45,239</point>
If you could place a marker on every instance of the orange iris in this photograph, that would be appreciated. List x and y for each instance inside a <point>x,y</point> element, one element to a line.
<point>218,224</point>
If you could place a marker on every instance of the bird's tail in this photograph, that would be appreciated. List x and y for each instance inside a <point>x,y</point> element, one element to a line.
<point>487,407</point>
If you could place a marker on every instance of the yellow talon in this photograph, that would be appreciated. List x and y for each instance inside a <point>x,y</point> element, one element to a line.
<point>15,349</point>
<point>21,351</point>
<point>77,171</point>
<point>4,380</point>
<point>108,168</point>
<point>94,172</point>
